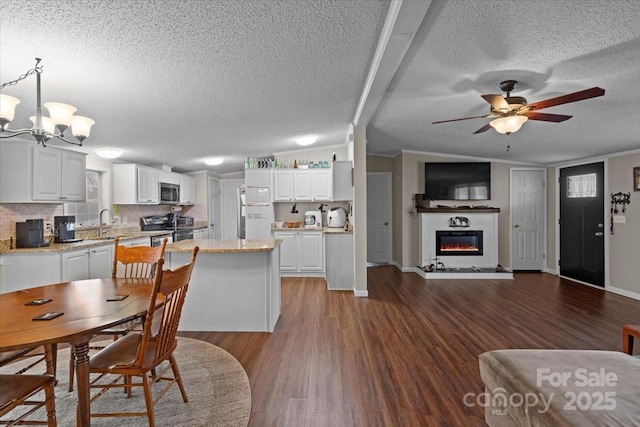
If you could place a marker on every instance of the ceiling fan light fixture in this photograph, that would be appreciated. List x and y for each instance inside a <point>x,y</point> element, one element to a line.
<point>508,125</point>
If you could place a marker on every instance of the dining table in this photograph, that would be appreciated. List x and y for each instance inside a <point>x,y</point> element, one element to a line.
<point>29,318</point>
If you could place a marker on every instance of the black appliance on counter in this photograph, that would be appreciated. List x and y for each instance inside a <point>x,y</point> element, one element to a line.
<point>64,229</point>
<point>30,234</point>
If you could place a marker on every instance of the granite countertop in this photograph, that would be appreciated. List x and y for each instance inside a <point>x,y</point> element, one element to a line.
<point>84,244</point>
<point>64,247</point>
<point>224,246</point>
<point>325,230</point>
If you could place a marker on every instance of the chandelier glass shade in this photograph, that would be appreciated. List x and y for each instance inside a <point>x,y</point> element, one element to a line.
<point>44,128</point>
<point>509,124</point>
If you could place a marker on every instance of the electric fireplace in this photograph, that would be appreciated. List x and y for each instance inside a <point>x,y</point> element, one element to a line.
<point>459,243</point>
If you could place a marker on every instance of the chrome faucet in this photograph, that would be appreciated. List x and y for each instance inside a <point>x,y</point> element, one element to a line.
<point>100,221</point>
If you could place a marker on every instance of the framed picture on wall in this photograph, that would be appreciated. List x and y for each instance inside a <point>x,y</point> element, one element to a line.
<point>636,179</point>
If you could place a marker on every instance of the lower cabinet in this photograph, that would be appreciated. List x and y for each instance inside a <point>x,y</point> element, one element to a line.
<point>26,270</point>
<point>202,233</point>
<point>340,265</point>
<point>91,263</point>
<point>301,253</point>
<point>22,271</point>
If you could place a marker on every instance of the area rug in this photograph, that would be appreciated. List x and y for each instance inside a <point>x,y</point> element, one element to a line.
<point>216,384</point>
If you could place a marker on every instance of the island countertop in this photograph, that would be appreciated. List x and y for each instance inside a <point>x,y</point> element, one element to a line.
<point>224,246</point>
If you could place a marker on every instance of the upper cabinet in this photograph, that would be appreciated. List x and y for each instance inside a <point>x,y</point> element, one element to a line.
<point>135,185</point>
<point>282,185</point>
<point>139,185</point>
<point>313,185</point>
<point>187,190</point>
<point>30,173</point>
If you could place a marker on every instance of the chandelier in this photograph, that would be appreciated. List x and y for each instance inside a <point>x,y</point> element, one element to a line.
<point>44,128</point>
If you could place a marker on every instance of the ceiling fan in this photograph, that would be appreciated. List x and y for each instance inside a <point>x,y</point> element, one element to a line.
<point>510,112</point>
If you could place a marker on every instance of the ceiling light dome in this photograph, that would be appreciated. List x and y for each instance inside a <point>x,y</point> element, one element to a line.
<point>214,161</point>
<point>109,153</point>
<point>306,140</point>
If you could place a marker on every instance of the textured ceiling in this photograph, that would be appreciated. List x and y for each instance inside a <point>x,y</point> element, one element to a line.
<point>466,48</point>
<point>172,82</point>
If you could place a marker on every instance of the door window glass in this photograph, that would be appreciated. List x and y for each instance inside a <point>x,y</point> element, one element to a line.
<point>581,186</point>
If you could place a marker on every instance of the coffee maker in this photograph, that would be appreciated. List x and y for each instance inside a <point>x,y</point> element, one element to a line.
<point>30,234</point>
<point>64,229</point>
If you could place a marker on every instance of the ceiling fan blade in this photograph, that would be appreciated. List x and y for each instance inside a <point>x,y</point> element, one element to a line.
<point>464,118</point>
<point>543,117</point>
<point>565,99</point>
<point>497,102</point>
<point>483,128</point>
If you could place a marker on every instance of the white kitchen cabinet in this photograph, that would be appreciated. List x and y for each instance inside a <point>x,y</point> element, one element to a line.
<point>25,270</point>
<point>30,173</point>
<point>339,261</point>
<point>288,250</point>
<point>302,185</point>
<point>187,190</point>
<point>202,233</point>
<point>322,184</point>
<point>283,185</point>
<point>301,253</point>
<point>313,185</point>
<point>59,175</point>
<point>135,185</point>
<point>342,180</point>
<point>90,263</point>
<point>168,177</point>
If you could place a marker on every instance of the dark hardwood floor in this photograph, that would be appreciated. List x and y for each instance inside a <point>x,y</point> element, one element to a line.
<point>407,354</point>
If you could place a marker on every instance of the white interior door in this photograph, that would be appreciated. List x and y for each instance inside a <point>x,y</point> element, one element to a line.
<point>528,213</point>
<point>230,208</point>
<point>379,217</point>
<point>214,209</point>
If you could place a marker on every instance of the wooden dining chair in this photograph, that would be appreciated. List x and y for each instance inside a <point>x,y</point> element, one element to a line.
<point>133,262</point>
<point>148,355</point>
<point>20,390</point>
<point>27,359</point>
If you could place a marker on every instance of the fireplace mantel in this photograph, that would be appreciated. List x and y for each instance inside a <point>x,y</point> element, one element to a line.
<point>432,220</point>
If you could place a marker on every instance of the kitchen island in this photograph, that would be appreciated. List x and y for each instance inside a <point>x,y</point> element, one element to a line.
<point>235,284</point>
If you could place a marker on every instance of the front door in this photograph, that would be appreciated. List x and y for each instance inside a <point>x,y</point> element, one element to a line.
<point>582,223</point>
<point>379,218</point>
<point>527,219</point>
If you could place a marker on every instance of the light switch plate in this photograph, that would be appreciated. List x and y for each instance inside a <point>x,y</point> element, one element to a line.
<point>619,219</point>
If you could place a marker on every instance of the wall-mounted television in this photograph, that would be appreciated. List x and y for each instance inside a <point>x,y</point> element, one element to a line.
<point>457,181</point>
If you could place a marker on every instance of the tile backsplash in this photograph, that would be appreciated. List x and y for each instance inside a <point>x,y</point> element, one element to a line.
<point>10,213</point>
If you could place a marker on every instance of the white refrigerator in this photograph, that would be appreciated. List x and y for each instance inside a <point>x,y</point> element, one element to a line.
<point>241,204</point>
<point>259,212</point>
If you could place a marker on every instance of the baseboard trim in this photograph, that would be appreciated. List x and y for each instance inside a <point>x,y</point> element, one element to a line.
<point>403,269</point>
<point>360,294</point>
<point>551,271</point>
<point>623,292</point>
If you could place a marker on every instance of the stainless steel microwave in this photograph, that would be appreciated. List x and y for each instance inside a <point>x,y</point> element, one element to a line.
<point>169,194</point>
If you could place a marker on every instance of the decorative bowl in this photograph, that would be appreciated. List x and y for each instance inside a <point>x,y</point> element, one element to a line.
<point>292,224</point>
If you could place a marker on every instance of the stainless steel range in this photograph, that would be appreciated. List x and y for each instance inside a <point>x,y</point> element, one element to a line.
<point>183,234</point>
<point>156,223</point>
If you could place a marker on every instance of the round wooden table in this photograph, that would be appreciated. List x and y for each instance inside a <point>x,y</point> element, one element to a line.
<point>86,310</point>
